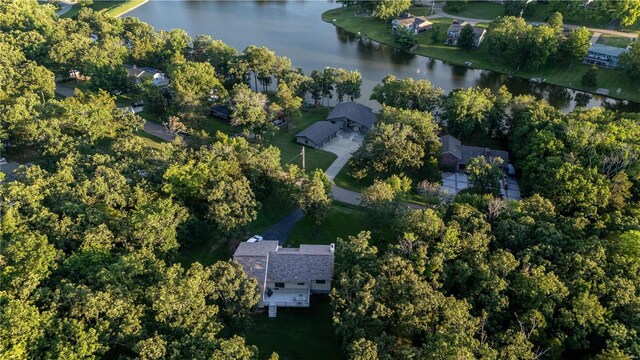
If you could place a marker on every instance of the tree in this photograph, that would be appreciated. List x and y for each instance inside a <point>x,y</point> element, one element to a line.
<point>456,6</point>
<point>260,61</point>
<point>590,78</point>
<point>466,111</point>
<point>348,83</point>
<point>195,84</point>
<point>467,37</point>
<point>630,61</point>
<point>556,22</point>
<point>628,11</point>
<point>288,102</point>
<point>407,94</point>
<point>174,126</point>
<point>315,196</point>
<point>515,7</point>
<point>386,9</point>
<point>215,52</point>
<point>485,177</point>
<point>249,109</point>
<point>404,38</point>
<point>576,45</point>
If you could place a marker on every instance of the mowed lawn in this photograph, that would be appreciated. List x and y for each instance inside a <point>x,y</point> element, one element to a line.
<point>342,221</point>
<point>112,8</point>
<point>297,334</point>
<point>612,40</point>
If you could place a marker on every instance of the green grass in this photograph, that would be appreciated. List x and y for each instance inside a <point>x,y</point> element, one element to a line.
<point>297,334</point>
<point>112,8</point>
<point>611,40</point>
<point>341,221</point>
<point>557,74</point>
<point>479,10</point>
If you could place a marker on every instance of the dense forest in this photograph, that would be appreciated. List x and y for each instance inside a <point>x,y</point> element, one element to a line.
<point>91,232</point>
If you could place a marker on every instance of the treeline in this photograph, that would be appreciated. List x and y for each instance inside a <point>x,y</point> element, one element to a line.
<point>552,276</point>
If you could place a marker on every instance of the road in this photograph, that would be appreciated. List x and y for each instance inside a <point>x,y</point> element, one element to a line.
<point>65,6</point>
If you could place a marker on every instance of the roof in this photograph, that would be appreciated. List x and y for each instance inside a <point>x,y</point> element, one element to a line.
<point>259,248</point>
<point>607,50</point>
<point>465,153</point>
<point>222,111</point>
<point>265,260</point>
<point>451,145</point>
<point>135,71</point>
<point>478,31</point>
<point>355,112</point>
<point>8,168</point>
<point>319,131</point>
<point>308,263</point>
<point>456,26</point>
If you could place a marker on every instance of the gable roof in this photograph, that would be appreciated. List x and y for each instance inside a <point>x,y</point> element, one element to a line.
<point>308,263</point>
<point>465,153</point>
<point>451,145</point>
<point>478,31</point>
<point>259,248</point>
<point>456,26</point>
<point>355,112</point>
<point>319,131</point>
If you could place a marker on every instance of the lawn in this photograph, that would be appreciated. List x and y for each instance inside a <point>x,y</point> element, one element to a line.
<point>112,8</point>
<point>297,334</point>
<point>342,221</point>
<point>433,46</point>
<point>611,40</point>
<point>478,10</point>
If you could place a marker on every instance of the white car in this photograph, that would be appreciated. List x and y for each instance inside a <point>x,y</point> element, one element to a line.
<point>255,238</point>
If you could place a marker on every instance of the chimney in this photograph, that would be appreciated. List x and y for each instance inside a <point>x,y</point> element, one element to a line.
<point>332,247</point>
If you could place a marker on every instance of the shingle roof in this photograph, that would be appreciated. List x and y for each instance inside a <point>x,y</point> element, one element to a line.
<point>355,112</point>
<point>319,131</point>
<point>451,145</point>
<point>291,266</point>
<point>260,248</point>
<point>478,31</point>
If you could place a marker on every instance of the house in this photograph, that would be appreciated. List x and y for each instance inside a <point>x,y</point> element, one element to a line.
<point>157,77</point>
<point>353,116</point>
<point>287,276</point>
<point>456,156</point>
<point>415,24</point>
<point>603,55</point>
<point>318,134</point>
<point>454,30</point>
<point>8,168</point>
<point>221,111</point>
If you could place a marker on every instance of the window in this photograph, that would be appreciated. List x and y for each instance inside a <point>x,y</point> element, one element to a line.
<point>320,281</point>
<point>300,283</point>
<point>279,285</point>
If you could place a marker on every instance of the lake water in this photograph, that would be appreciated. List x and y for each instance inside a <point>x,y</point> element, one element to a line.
<point>296,30</point>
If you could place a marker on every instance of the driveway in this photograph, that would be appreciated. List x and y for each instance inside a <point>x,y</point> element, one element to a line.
<point>344,145</point>
<point>158,130</point>
<point>282,229</point>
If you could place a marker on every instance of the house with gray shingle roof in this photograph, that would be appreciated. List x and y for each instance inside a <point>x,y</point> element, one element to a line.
<point>353,116</point>
<point>603,55</point>
<point>318,134</point>
<point>287,276</point>
<point>455,156</point>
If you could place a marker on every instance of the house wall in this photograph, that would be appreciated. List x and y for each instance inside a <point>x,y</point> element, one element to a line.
<point>305,141</point>
<point>321,288</point>
<point>288,285</point>
<point>449,161</point>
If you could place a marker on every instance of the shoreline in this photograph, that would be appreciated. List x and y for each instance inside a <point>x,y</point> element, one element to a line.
<point>633,96</point>
<point>139,3</point>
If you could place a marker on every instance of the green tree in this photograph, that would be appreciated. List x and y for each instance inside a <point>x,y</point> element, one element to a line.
<point>288,102</point>
<point>467,36</point>
<point>314,197</point>
<point>195,84</point>
<point>407,94</point>
<point>576,45</point>
<point>249,109</point>
<point>556,22</point>
<point>465,111</point>
<point>456,6</point>
<point>590,78</point>
<point>404,38</point>
<point>485,176</point>
<point>630,61</point>
<point>260,61</point>
<point>348,84</point>
<point>386,9</point>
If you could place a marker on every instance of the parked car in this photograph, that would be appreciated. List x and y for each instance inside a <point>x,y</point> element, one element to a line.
<point>255,238</point>
<point>277,122</point>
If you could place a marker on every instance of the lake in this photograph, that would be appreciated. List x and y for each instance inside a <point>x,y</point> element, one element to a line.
<point>295,29</point>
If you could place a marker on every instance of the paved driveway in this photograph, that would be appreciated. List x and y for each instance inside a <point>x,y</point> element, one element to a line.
<point>344,145</point>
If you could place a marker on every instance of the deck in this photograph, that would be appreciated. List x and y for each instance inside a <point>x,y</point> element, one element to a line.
<point>288,298</point>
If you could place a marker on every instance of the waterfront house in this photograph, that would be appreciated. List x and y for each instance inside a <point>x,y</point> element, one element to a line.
<point>353,116</point>
<point>139,73</point>
<point>287,276</point>
<point>603,55</point>
<point>478,35</point>
<point>455,156</point>
<point>318,134</point>
<point>454,30</point>
<point>415,24</point>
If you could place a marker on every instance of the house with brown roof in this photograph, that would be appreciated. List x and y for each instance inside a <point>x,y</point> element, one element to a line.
<point>287,276</point>
<point>455,156</point>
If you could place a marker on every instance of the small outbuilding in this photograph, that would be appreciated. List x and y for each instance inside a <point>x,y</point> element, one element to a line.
<point>221,111</point>
<point>353,116</point>
<point>318,134</point>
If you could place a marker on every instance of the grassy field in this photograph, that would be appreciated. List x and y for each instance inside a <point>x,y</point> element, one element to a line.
<point>478,10</point>
<point>341,221</point>
<point>297,334</point>
<point>112,8</point>
<point>611,40</point>
<point>431,44</point>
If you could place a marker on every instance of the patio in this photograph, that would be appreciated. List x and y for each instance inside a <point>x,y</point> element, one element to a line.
<point>288,298</point>
<point>453,183</point>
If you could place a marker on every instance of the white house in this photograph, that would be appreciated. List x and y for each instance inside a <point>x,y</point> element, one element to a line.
<point>287,276</point>
<point>415,24</point>
<point>603,55</point>
<point>157,77</point>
